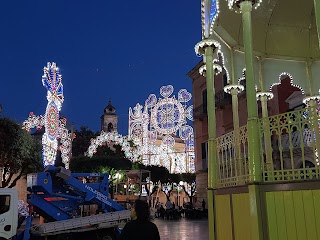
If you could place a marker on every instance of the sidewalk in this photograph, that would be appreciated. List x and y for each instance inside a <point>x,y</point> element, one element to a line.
<point>183,229</point>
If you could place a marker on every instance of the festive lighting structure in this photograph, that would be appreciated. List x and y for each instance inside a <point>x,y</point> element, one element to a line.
<point>159,120</point>
<point>115,138</point>
<point>55,127</point>
<point>164,120</point>
<point>64,135</point>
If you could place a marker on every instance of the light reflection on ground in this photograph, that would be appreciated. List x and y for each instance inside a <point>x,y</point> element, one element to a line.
<point>183,229</point>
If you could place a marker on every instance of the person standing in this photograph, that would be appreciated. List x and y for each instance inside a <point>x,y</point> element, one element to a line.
<point>203,204</point>
<point>140,228</point>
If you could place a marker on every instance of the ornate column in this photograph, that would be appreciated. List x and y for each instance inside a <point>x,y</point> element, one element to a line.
<point>253,124</point>
<point>234,90</point>
<point>312,102</point>
<point>317,14</point>
<point>207,47</point>
<point>264,97</point>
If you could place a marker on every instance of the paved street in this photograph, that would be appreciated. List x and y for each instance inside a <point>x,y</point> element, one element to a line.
<point>183,229</point>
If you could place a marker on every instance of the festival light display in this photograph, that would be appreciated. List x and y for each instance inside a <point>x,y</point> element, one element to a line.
<point>64,135</point>
<point>55,126</point>
<point>160,119</point>
<point>114,138</point>
<point>164,119</point>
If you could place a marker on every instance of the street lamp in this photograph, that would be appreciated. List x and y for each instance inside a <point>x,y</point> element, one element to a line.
<point>179,187</point>
<point>117,177</point>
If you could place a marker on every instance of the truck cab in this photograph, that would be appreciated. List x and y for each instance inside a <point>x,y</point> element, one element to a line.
<point>8,212</point>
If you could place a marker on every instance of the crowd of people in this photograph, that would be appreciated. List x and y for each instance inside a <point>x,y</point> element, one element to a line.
<point>170,211</point>
<point>140,227</point>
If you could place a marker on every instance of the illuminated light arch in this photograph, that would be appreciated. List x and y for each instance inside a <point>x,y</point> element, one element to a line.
<point>153,126</point>
<point>154,113</point>
<point>64,135</point>
<point>291,82</point>
<point>115,138</point>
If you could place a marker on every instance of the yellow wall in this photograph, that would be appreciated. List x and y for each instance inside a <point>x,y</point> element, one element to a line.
<point>241,216</point>
<point>293,215</point>
<point>290,215</point>
<point>223,217</point>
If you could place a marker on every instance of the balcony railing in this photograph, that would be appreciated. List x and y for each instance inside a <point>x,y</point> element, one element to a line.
<point>293,154</point>
<point>289,150</point>
<point>232,165</point>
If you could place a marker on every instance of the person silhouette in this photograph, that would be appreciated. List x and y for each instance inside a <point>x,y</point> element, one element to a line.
<point>140,227</point>
<point>203,204</point>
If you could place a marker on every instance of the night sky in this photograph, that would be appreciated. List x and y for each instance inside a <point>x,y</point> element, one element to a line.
<point>106,49</point>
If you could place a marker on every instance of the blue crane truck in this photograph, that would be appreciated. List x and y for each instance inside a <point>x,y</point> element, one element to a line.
<point>58,195</point>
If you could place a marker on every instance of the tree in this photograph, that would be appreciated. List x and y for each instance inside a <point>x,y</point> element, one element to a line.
<point>190,189</point>
<point>98,163</point>
<point>20,154</point>
<point>82,141</point>
<point>158,173</point>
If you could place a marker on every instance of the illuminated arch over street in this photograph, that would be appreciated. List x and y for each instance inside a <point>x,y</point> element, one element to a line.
<point>114,138</point>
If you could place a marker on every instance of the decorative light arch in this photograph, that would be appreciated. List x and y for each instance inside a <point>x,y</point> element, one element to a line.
<point>166,116</point>
<point>163,120</point>
<point>64,135</point>
<point>115,138</point>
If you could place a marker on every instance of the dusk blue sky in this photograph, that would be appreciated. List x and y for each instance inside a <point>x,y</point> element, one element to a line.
<point>106,49</point>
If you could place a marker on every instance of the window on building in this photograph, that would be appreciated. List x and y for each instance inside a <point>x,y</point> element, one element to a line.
<point>204,100</point>
<point>110,127</point>
<point>204,155</point>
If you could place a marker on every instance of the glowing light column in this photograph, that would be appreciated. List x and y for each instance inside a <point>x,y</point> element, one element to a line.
<point>52,81</point>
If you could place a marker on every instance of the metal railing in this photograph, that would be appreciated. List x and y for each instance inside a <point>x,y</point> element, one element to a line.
<point>289,150</point>
<point>293,154</point>
<point>232,159</point>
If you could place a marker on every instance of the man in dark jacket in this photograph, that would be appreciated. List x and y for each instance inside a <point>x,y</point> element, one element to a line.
<point>140,228</point>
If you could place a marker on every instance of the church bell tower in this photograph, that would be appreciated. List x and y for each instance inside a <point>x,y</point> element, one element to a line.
<point>109,119</point>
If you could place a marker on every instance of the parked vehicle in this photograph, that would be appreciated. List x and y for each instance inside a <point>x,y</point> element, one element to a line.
<point>58,195</point>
